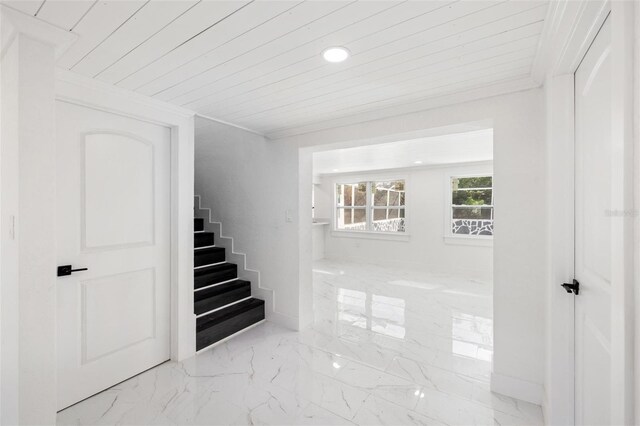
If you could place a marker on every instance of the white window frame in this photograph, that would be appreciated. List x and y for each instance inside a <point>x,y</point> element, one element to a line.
<point>368,233</point>
<point>464,239</point>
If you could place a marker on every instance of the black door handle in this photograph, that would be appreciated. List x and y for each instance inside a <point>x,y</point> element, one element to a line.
<point>574,287</point>
<point>65,270</point>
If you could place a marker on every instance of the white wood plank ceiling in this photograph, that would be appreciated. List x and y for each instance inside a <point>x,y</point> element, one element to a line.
<point>258,63</point>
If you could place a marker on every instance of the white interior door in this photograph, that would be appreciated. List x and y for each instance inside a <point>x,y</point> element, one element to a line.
<point>113,217</point>
<point>593,233</point>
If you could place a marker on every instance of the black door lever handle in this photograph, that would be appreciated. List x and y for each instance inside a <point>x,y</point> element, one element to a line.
<point>574,287</point>
<point>65,270</point>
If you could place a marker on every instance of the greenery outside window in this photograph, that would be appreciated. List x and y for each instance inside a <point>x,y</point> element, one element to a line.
<point>472,206</point>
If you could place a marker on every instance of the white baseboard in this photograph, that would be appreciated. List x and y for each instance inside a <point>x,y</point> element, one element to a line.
<point>523,390</point>
<point>283,320</point>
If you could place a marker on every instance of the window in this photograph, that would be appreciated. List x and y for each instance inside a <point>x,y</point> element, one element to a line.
<point>377,206</point>
<point>472,206</point>
<point>387,206</point>
<point>351,206</point>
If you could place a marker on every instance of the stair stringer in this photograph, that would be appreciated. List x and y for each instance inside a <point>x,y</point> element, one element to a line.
<point>239,258</point>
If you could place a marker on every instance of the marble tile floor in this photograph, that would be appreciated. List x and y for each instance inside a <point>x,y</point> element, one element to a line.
<point>388,346</point>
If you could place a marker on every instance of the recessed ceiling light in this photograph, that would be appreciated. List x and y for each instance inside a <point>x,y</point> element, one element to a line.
<point>336,170</point>
<point>335,54</point>
<point>417,162</point>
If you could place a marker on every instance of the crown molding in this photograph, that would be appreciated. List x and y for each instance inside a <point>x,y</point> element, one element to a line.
<point>570,27</point>
<point>15,22</point>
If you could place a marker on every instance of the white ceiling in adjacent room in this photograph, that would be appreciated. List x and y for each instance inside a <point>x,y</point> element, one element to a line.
<point>437,150</point>
<point>259,64</point>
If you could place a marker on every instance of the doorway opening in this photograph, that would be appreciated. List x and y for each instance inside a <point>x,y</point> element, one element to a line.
<point>402,249</point>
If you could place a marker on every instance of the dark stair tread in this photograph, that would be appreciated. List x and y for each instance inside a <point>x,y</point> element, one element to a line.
<point>209,256</point>
<point>203,239</point>
<point>214,274</point>
<point>198,224</point>
<point>215,268</point>
<point>227,321</point>
<point>220,295</point>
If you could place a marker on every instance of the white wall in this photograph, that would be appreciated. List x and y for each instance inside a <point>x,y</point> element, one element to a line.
<point>28,190</point>
<point>9,247</point>
<point>424,245</point>
<point>520,263</point>
<point>250,183</point>
<point>637,198</point>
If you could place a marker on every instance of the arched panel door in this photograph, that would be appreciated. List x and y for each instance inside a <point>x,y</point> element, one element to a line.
<point>113,218</point>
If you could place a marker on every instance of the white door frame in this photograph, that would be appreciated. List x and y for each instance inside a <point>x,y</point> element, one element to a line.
<point>93,94</point>
<point>576,26</point>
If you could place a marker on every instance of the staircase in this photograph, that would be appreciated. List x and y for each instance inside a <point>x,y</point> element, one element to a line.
<point>222,302</point>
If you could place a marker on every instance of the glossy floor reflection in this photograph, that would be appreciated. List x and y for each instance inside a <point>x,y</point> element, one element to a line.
<point>388,347</point>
